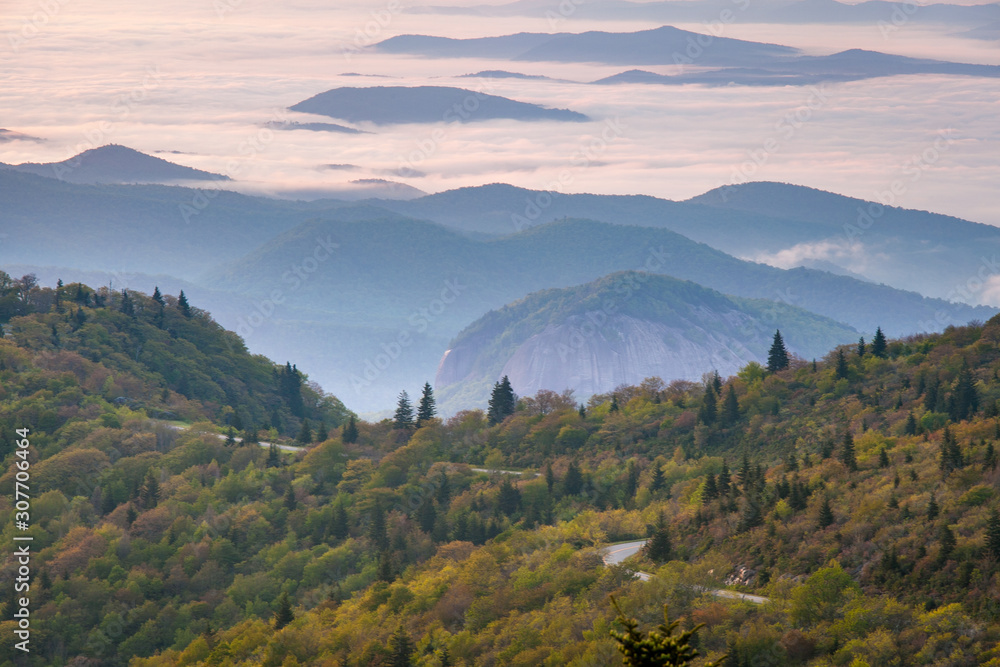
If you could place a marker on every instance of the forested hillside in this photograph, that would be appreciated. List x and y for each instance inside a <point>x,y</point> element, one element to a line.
<point>857,493</point>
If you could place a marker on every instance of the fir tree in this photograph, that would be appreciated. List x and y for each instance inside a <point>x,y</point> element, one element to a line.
<point>631,480</point>
<point>183,305</point>
<point>825,517</point>
<point>509,498</point>
<point>157,297</point>
<point>443,492</point>
<point>273,459</point>
<point>230,437</point>
<point>502,402</point>
<point>711,491</point>
<point>573,482</point>
<point>883,458</point>
<point>932,508</point>
<point>946,538</point>
<point>401,649</point>
<point>951,455</point>
<point>990,457</point>
<point>842,371</point>
<point>731,407</point>
<point>750,515</point>
<point>582,411</point>
<point>284,614</point>
<point>149,492</point>
<point>879,344</point>
<point>724,479</point>
<point>290,386</point>
<point>659,548</point>
<point>349,434</point>
<point>127,307</point>
<point>426,516</point>
<point>660,648</point>
<point>993,534</point>
<point>965,398</point>
<point>777,356</point>
<point>377,529</point>
<point>847,456</point>
<point>426,410</point>
<point>550,477</point>
<point>305,433</point>
<point>658,480</point>
<point>716,383</point>
<point>614,403</point>
<point>341,526</point>
<point>290,501</point>
<point>322,434</point>
<point>708,410</point>
<point>861,346</point>
<point>911,425</point>
<point>403,419</point>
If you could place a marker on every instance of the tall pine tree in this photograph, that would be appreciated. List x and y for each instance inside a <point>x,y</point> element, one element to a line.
<point>403,419</point>
<point>777,356</point>
<point>879,344</point>
<point>502,402</point>
<point>426,410</point>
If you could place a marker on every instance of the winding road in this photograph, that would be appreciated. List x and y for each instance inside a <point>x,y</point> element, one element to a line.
<point>616,554</point>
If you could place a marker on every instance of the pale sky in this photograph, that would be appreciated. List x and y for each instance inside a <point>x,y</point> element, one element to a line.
<point>201,77</point>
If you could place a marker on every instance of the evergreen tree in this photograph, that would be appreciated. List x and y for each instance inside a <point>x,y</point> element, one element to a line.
<point>403,419</point>
<point>322,434</point>
<point>401,649</point>
<point>290,501</point>
<point>932,508</point>
<point>149,492</point>
<point>444,658</point>
<point>707,413</point>
<point>550,477</point>
<point>777,356</point>
<point>965,398</point>
<point>724,479</point>
<point>502,402</point>
<point>847,455</point>
<point>659,548</point>
<point>947,541</point>
<point>631,480</point>
<point>126,306</point>
<point>290,386</point>
<point>573,482</point>
<point>582,411</point>
<point>993,534</point>
<point>711,491</point>
<point>660,648</point>
<point>658,480</point>
<point>130,514</point>
<point>990,457</point>
<point>861,346</point>
<point>842,371</point>
<point>614,403</point>
<point>341,526</point>
<point>230,437</point>
<point>273,459</point>
<point>509,498</point>
<point>883,458</point>
<point>349,434</point>
<point>305,433</point>
<point>825,514</point>
<point>911,425</point>
<point>879,344</point>
<point>284,614</point>
<point>443,491</point>
<point>750,515</point>
<point>951,455</point>
<point>716,383</point>
<point>183,305</point>
<point>377,528</point>
<point>157,297</point>
<point>426,516</point>
<point>426,410</point>
<point>731,407</point>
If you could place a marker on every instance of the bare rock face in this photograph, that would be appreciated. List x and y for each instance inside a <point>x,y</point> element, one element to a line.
<point>592,356</point>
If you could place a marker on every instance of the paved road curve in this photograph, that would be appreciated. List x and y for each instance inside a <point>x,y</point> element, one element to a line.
<point>616,554</point>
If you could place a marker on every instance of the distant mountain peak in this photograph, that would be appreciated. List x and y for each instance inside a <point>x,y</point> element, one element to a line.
<point>114,163</point>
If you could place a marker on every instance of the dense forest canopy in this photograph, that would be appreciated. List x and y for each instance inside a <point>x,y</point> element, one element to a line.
<point>857,493</point>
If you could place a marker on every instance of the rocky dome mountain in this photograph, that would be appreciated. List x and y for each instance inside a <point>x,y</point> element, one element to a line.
<point>621,329</point>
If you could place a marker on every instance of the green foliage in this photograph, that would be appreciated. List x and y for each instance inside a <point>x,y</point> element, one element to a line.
<point>660,648</point>
<point>777,356</point>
